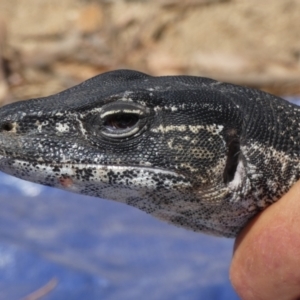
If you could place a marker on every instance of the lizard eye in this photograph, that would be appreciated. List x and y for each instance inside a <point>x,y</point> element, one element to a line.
<point>120,121</point>
<point>120,125</point>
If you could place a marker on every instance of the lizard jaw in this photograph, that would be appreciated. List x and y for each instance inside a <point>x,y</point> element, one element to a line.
<point>94,179</point>
<point>164,194</point>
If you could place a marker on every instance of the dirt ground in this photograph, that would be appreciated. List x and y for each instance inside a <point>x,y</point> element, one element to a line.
<point>49,45</point>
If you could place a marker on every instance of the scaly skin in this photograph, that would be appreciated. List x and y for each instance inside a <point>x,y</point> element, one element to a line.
<point>195,152</point>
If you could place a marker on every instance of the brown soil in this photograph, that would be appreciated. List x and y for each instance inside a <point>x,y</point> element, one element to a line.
<point>49,45</point>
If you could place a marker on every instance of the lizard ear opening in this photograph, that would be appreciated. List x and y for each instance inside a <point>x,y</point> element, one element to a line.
<point>233,157</point>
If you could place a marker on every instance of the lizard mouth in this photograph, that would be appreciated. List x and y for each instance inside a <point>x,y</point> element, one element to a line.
<point>75,176</point>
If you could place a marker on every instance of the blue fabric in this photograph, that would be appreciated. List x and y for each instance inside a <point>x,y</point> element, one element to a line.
<point>98,249</point>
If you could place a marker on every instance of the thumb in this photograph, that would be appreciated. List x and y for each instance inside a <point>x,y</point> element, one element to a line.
<point>266,259</point>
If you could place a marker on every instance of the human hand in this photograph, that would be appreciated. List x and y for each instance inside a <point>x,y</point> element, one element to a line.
<point>266,259</point>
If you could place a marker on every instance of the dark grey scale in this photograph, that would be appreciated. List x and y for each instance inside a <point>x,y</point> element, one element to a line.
<point>192,151</point>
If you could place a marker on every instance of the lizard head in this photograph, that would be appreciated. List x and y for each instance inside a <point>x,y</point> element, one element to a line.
<point>167,145</point>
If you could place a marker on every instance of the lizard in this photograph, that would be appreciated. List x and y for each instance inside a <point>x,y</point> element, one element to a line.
<point>195,152</point>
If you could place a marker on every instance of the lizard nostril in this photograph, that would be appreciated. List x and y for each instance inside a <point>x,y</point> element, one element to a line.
<point>7,127</point>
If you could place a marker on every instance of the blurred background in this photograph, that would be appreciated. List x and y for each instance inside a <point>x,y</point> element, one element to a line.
<point>55,245</point>
<point>50,45</point>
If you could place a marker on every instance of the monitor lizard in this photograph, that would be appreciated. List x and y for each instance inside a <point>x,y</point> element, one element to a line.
<point>198,153</point>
